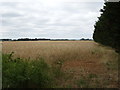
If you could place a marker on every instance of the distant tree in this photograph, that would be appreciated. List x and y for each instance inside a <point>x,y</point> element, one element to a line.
<point>107,28</point>
<point>82,39</point>
<point>5,39</point>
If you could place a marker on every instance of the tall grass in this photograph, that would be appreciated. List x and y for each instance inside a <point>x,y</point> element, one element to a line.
<point>63,64</point>
<point>50,50</point>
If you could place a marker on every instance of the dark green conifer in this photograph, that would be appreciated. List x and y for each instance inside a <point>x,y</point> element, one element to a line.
<point>107,28</point>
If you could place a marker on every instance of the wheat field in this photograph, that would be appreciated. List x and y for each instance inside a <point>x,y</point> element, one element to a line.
<point>79,59</point>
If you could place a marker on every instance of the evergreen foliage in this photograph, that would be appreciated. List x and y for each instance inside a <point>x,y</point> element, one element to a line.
<point>107,28</point>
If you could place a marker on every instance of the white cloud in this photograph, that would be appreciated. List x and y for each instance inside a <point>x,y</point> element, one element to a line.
<point>52,1</point>
<point>48,18</point>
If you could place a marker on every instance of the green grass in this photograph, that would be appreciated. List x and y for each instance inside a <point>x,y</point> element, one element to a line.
<point>20,73</point>
<point>82,83</point>
<point>88,81</point>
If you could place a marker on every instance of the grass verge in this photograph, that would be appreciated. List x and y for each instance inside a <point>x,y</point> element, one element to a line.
<point>20,73</point>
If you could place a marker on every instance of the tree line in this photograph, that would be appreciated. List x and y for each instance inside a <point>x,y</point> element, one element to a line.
<point>107,28</point>
<point>44,39</point>
<point>24,39</point>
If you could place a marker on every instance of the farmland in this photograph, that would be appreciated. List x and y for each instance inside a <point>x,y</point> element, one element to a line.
<point>84,64</point>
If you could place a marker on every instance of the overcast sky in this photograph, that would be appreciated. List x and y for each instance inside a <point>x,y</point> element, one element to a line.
<point>49,18</point>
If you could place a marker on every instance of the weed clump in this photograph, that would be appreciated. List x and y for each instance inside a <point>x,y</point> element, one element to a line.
<point>20,73</point>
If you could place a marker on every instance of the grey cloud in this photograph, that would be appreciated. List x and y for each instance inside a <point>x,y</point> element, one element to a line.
<point>64,20</point>
<point>8,4</point>
<point>11,15</point>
